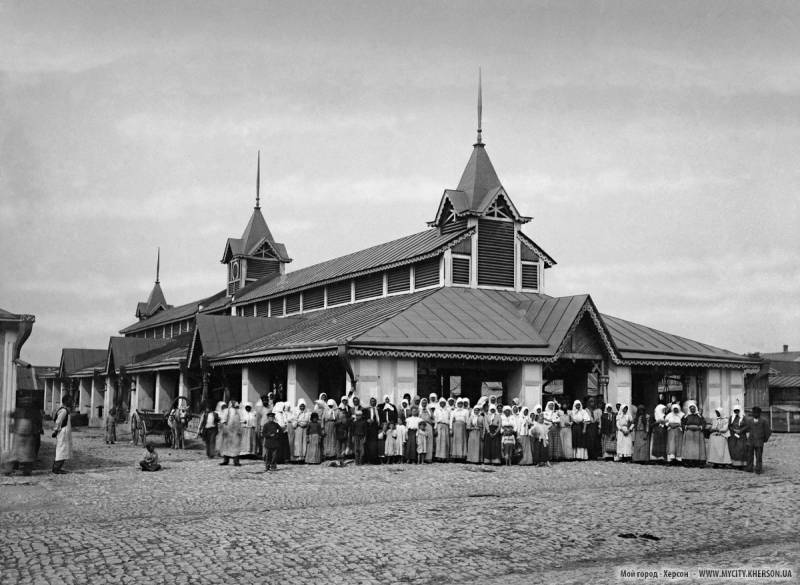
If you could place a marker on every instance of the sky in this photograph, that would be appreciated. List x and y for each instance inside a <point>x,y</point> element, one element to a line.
<point>654,143</point>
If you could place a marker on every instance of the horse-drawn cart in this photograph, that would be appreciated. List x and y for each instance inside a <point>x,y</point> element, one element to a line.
<point>148,422</point>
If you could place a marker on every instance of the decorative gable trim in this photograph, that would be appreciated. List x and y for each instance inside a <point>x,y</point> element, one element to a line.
<point>605,337</point>
<point>531,245</point>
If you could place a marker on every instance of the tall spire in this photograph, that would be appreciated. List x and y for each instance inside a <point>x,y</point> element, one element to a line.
<point>158,264</point>
<point>480,108</point>
<point>258,182</point>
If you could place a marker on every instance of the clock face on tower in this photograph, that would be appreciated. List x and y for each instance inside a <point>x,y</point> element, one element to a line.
<point>235,270</point>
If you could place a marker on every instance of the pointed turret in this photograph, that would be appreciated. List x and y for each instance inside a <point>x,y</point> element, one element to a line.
<point>156,301</point>
<point>256,254</point>
<point>479,192</point>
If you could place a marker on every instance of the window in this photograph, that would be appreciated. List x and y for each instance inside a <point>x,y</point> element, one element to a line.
<point>339,293</point>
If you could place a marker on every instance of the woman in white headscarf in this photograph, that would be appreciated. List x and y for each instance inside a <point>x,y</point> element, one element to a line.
<point>580,420</point>
<point>329,430</point>
<point>248,430</point>
<point>565,432</point>
<point>491,437</point>
<point>718,453</point>
<point>231,434</point>
<point>441,417</point>
<point>658,442</point>
<point>300,423</point>
<point>458,426</point>
<point>540,438</point>
<point>624,433</point>
<point>426,413</point>
<point>280,418</point>
<point>553,416</point>
<point>673,421</point>
<point>693,451</point>
<point>475,435</point>
<point>524,436</point>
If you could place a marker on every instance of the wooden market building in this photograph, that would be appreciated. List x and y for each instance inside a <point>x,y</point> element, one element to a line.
<point>459,308</point>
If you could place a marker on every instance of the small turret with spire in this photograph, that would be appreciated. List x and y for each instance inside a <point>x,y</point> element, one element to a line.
<point>156,302</point>
<point>256,254</point>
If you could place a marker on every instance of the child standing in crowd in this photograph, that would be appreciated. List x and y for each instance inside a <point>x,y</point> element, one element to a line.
<point>422,442</point>
<point>271,432</point>
<point>111,426</point>
<point>150,461</point>
<point>509,443</point>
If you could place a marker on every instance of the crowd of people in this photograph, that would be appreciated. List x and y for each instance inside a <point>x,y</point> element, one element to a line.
<point>423,430</point>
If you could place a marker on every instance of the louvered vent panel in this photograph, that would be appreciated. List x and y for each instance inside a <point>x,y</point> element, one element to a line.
<point>293,303</point>
<point>369,286</point>
<point>426,273</point>
<point>495,253</point>
<point>399,279</point>
<point>461,270</point>
<point>258,268</point>
<point>339,293</point>
<point>530,276</point>
<point>314,298</point>
<point>276,307</point>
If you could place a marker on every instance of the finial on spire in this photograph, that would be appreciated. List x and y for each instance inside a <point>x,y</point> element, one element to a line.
<point>158,264</point>
<point>258,182</point>
<point>480,107</point>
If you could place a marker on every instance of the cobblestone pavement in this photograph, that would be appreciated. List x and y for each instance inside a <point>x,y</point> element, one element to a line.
<point>197,522</point>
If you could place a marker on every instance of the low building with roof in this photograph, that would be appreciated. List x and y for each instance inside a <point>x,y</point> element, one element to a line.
<point>14,331</point>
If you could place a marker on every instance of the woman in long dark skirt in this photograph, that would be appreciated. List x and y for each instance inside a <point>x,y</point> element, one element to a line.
<point>641,436</point>
<point>412,424</point>
<point>658,432</point>
<point>580,421</point>
<point>608,431</point>
<point>491,437</point>
<point>593,443</point>
<point>737,441</point>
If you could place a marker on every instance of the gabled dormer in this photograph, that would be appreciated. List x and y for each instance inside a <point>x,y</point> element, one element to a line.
<point>256,254</point>
<point>499,255</point>
<point>156,302</point>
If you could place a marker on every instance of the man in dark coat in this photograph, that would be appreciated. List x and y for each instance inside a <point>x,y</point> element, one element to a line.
<point>759,434</point>
<point>271,433</point>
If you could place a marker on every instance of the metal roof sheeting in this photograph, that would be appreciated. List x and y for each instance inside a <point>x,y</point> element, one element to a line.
<point>638,342</point>
<point>784,381</point>
<point>74,360</point>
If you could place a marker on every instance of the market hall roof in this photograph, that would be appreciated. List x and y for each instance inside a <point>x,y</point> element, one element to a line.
<point>168,356</point>
<point>179,313</point>
<point>215,334</point>
<point>398,252</point>
<point>643,345</point>
<point>255,234</point>
<point>470,323</point>
<point>123,350</point>
<point>80,360</point>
